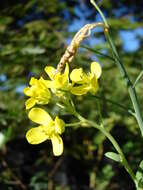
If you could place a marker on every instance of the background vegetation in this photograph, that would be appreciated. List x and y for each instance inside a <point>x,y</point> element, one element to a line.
<point>34,34</point>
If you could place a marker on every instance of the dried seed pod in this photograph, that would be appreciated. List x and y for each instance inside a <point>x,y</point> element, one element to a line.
<point>71,50</point>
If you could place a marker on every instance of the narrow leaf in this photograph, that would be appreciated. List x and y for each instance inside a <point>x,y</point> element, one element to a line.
<point>139,175</point>
<point>97,52</point>
<point>113,156</point>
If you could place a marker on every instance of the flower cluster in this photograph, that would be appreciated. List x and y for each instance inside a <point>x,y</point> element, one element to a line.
<point>61,84</point>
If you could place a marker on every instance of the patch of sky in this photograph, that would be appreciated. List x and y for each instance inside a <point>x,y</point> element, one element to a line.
<point>139,32</point>
<point>82,13</point>
<point>130,38</point>
<point>66,14</point>
<point>3,78</point>
<point>120,12</point>
<point>4,88</point>
<point>132,18</point>
<point>94,58</point>
<point>130,41</point>
<point>98,18</point>
<point>20,89</point>
<point>77,24</point>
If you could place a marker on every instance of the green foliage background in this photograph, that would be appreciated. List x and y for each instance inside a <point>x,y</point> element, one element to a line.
<point>34,34</point>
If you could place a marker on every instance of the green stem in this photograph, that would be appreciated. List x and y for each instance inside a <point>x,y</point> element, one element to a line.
<point>112,140</point>
<point>130,111</point>
<point>118,62</point>
<point>73,124</point>
<point>87,123</point>
<point>128,83</point>
<point>137,79</point>
<point>97,52</point>
<point>100,12</point>
<point>116,146</point>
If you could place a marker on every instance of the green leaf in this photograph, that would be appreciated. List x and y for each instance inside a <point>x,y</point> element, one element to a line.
<point>5,20</point>
<point>114,156</point>
<point>139,175</point>
<point>118,24</point>
<point>33,50</point>
<point>97,52</point>
<point>2,139</point>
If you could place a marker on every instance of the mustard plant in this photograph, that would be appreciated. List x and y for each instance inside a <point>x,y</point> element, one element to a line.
<point>65,84</point>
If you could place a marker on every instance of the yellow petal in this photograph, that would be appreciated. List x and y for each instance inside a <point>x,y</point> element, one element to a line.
<point>27,91</point>
<point>57,144</point>
<point>79,90</point>
<point>33,81</point>
<point>59,125</point>
<point>60,81</point>
<point>36,135</point>
<point>51,71</point>
<point>77,75</point>
<point>96,69</point>
<point>42,82</point>
<point>30,103</point>
<point>39,116</point>
<point>94,85</point>
<point>66,72</point>
<point>49,83</point>
<point>45,84</point>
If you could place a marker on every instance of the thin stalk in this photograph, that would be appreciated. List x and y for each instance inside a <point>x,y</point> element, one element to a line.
<point>97,52</point>
<point>128,83</point>
<point>73,124</point>
<point>100,12</point>
<point>137,79</point>
<point>112,140</point>
<point>88,123</point>
<point>130,111</point>
<point>116,146</point>
<point>118,62</point>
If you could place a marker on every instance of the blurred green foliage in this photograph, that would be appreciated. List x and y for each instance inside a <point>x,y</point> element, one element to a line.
<point>33,34</point>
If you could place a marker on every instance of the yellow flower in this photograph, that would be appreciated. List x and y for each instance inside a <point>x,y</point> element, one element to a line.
<point>47,130</point>
<point>38,92</point>
<point>59,81</point>
<point>82,82</point>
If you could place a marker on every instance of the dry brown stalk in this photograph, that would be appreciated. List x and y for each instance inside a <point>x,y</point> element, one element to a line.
<point>71,50</point>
